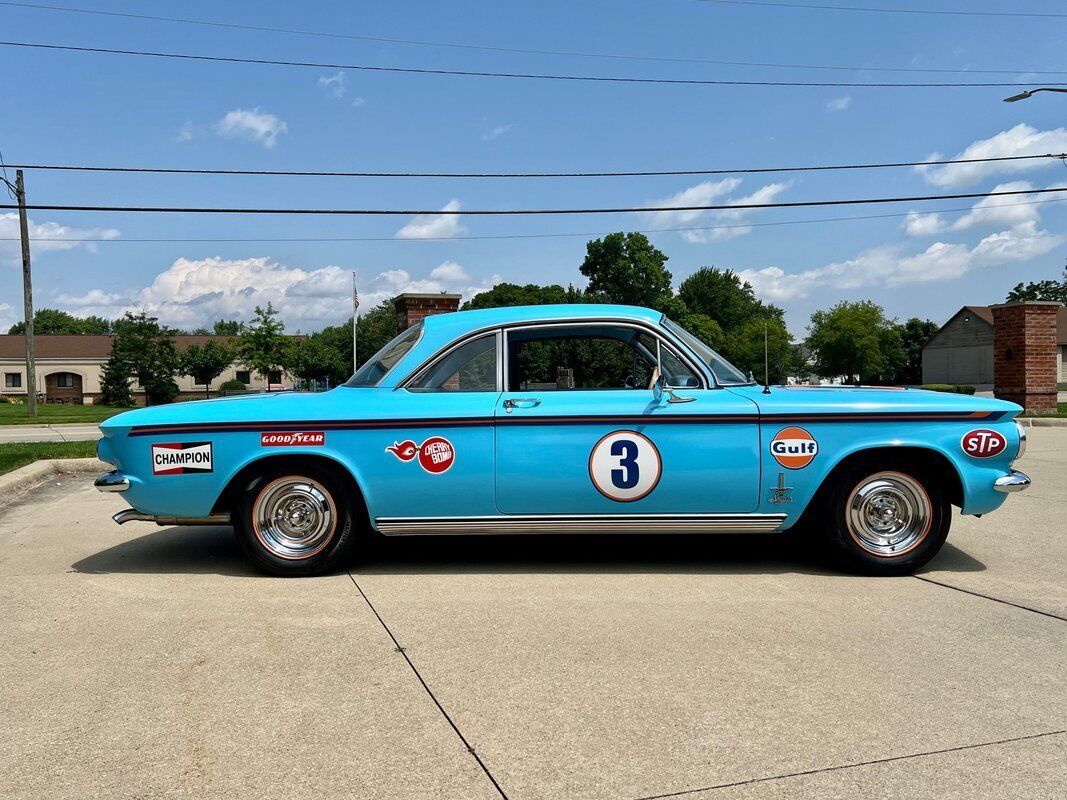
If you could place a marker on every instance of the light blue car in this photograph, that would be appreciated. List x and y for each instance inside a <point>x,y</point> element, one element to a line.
<point>565,419</point>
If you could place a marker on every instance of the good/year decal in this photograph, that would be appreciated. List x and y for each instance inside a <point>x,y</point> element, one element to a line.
<point>435,455</point>
<point>625,466</point>
<point>180,458</point>
<point>293,439</point>
<point>794,448</point>
<point>983,443</point>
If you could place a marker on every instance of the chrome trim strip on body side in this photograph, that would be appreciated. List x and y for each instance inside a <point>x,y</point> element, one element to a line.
<point>581,523</point>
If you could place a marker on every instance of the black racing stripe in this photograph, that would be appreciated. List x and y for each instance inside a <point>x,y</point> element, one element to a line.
<point>453,422</point>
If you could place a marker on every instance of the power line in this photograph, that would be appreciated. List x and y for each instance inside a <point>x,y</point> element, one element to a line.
<point>518,50</point>
<point>501,212</point>
<point>640,173</point>
<point>303,239</point>
<point>883,10</point>
<point>522,75</point>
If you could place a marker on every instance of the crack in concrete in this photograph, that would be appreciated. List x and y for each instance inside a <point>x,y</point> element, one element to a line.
<point>403,652</point>
<point>990,597</point>
<point>872,762</point>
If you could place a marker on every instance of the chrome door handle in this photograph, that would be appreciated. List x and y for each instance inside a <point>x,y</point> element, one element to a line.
<point>520,402</point>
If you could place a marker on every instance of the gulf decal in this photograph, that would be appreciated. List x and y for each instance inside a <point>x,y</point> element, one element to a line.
<point>435,455</point>
<point>983,443</point>
<point>181,458</point>
<point>293,439</point>
<point>794,448</point>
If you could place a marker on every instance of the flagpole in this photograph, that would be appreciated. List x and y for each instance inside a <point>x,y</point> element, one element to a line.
<point>355,307</point>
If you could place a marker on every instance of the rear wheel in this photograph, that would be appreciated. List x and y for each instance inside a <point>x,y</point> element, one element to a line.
<point>295,521</point>
<point>885,520</point>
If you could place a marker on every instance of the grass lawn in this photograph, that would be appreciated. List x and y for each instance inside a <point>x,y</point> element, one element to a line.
<point>48,413</point>
<point>13,456</point>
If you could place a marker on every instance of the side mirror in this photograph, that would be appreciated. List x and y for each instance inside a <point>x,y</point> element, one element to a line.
<point>657,388</point>
<point>660,388</point>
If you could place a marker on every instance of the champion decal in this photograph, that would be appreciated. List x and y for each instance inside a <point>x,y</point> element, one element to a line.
<point>181,458</point>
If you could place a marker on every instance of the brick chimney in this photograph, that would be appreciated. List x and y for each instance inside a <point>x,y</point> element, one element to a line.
<point>412,307</point>
<point>1024,354</point>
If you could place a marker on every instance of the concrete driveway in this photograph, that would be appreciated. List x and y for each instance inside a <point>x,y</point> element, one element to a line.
<point>146,662</point>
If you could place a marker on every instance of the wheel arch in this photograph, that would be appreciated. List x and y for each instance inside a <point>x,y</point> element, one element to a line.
<point>227,499</point>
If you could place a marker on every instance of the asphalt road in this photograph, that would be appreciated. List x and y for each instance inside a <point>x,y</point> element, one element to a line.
<point>147,662</point>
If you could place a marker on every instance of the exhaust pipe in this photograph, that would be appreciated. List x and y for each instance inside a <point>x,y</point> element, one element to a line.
<point>130,515</point>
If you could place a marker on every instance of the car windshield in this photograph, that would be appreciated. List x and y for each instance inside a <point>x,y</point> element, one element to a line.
<point>382,362</point>
<point>726,374</point>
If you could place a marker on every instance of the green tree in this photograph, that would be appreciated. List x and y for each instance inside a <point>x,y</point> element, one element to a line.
<point>856,341</point>
<point>146,350</point>
<point>1041,290</point>
<point>626,268</point>
<point>913,335</point>
<point>52,321</point>
<point>723,296</point>
<point>115,383</point>
<point>511,294</point>
<point>206,363</point>
<point>314,359</point>
<point>227,327</point>
<point>375,329</point>
<point>261,344</point>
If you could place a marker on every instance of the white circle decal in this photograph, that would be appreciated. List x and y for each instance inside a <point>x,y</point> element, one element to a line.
<point>625,466</point>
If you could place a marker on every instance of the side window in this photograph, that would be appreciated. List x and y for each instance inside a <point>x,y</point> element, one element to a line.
<point>675,373</point>
<point>579,357</point>
<point>470,368</point>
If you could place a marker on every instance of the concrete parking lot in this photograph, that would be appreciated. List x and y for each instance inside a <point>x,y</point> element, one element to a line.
<point>152,662</point>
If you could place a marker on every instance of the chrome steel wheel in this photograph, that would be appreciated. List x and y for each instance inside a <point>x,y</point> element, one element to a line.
<point>294,517</point>
<point>888,514</point>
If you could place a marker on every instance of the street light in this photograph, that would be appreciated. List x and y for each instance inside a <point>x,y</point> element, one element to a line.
<point>1030,93</point>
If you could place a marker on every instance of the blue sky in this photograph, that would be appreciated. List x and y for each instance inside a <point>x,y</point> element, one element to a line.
<point>99,109</point>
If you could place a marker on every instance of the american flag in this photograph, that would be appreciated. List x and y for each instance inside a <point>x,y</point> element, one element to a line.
<point>355,291</point>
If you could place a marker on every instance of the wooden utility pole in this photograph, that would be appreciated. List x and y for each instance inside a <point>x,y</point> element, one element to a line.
<point>27,297</point>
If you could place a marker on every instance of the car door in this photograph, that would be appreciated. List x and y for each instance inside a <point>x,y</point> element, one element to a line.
<point>585,445</point>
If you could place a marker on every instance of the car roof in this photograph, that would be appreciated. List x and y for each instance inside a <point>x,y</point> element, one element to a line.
<point>448,326</point>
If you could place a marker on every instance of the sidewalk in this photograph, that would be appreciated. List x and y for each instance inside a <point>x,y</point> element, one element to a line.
<point>70,432</point>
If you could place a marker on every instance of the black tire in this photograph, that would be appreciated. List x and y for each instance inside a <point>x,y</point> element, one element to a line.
<point>314,523</point>
<point>884,518</point>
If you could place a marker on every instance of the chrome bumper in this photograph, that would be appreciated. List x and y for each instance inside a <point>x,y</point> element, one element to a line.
<point>112,482</point>
<point>131,515</point>
<point>1015,482</point>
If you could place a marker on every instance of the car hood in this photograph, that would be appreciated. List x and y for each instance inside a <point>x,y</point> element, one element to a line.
<point>872,399</point>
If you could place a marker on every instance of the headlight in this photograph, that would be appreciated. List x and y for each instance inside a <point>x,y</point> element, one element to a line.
<point>1022,438</point>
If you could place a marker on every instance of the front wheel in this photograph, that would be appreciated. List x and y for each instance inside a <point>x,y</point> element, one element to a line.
<point>295,521</point>
<point>886,521</point>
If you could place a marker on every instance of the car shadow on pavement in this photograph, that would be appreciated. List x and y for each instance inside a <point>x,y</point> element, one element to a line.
<point>214,550</point>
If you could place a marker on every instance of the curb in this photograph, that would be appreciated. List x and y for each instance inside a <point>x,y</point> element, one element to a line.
<point>1044,422</point>
<point>14,484</point>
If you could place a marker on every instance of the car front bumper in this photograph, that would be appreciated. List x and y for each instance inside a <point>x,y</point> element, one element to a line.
<point>112,482</point>
<point>1014,482</point>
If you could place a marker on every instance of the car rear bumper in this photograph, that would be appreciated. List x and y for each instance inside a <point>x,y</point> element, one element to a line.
<point>1013,482</point>
<point>112,482</point>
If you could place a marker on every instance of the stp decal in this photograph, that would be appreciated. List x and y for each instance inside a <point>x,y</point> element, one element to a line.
<point>436,454</point>
<point>293,439</point>
<point>794,448</point>
<point>983,443</point>
<point>180,458</point>
<point>625,466</point>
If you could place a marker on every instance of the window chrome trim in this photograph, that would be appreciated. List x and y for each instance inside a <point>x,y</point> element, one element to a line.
<point>695,364</point>
<point>656,333</point>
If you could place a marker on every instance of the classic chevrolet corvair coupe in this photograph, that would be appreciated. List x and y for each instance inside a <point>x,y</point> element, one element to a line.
<point>565,419</point>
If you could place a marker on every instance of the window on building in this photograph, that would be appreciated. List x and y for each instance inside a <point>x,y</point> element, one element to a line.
<point>470,368</point>
<point>244,377</point>
<point>274,376</point>
<point>65,380</point>
<point>13,380</point>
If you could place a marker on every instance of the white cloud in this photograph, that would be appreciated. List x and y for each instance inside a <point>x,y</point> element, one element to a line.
<point>916,224</point>
<point>253,124</point>
<point>7,317</point>
<point>334,84</point>
<point>989,212</point>
<point>838,103</point>
<point>41,233</point>
<point>700,195</point>
<point>1022,140</point>
<point>890,265</point>
<point>359,102</point>
<point>705,194</point>
<point>499,130</point>
<point>186,132</point>
<point>765,194</point>
<point>434,226</point>
<point>195,292</point>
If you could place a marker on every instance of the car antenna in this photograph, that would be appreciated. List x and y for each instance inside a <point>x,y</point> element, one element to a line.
<point>766,363</point>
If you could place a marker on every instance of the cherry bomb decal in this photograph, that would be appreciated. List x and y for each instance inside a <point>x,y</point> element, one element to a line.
<point>436,455</point>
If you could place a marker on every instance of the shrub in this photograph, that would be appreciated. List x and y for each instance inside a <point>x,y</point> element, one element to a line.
<point>950,388</point>
<point>232,384</point>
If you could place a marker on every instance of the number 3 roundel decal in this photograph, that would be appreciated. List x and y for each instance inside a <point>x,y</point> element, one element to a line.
<point>625,466</point>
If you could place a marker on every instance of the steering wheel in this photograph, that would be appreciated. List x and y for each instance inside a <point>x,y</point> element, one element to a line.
<point>629,382</point>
